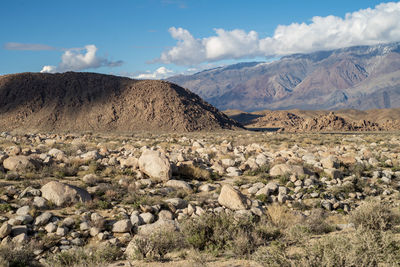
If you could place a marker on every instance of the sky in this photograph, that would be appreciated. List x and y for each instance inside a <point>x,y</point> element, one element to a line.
<point>153,39</point>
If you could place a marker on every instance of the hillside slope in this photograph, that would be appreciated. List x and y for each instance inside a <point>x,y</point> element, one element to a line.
<point>88,101</point>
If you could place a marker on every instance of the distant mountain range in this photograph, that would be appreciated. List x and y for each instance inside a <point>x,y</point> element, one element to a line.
<point>361,77</point>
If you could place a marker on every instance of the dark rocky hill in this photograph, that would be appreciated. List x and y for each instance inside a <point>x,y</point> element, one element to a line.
<point>89,101</point>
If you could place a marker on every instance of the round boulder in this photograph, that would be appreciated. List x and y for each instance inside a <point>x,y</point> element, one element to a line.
<point>64,194</point>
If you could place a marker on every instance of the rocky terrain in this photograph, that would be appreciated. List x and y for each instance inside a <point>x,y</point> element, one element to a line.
<point>230,198</point>
<point>89,101</point>
<point>319,121</point>
<point>362,77</point>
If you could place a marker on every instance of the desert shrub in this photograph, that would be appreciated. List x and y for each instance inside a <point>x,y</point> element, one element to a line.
<point>263,198</point>
<point>362,248</point>
<point>262,170</point>
<point>180,193</point>
<point>190,172</point>
<point>242,242</point>
<point>374,215</point>
<point>344,190</point>
<point>241,181</point>
<point>135,199</point>
<point>357,169</point>
<point>221,232</point>
<point>284,179</point>
<point>17,256</point>
<point>89,256</point>
<point>316,222</point>
<point>156,245</point>
<point>294,228</point>
<point>69,169</point>
<point>101,204</point>
<point>5,207</point>
<point>208,231</point>
<point>273,255</point>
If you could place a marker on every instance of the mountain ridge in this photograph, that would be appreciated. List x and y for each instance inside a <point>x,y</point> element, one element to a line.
<point>343,78</point>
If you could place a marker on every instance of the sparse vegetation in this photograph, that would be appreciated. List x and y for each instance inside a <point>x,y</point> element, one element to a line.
<point>292,219</point>
<point>88,256</point>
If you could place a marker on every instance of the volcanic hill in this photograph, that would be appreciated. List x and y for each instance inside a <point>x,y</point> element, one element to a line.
<point>88,101</point>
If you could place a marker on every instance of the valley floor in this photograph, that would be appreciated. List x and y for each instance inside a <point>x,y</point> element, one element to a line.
<point>232,198</point>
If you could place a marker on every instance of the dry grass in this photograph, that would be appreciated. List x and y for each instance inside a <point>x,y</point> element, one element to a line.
<point>282,217</point>
<point>190,172</point>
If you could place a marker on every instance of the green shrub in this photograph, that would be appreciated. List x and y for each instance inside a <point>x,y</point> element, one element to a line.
<point>221,232</point>
<point>262,170</point>
<point>263,198</point>
<point>5,207</point>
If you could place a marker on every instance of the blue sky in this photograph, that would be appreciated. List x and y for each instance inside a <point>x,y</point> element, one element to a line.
<point>133,37</point>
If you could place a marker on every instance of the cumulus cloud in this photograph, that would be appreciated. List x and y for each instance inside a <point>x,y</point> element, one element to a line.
<point>27,47</point>
<point>75,59</point>
<point>364,27</point>
<point>187,51</point>
<point>159,73</point>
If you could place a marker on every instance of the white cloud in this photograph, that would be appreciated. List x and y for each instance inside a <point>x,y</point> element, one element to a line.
<point>187,50</point>
<point>74,60</point>
<point>364,27</point>
<point>159,73</point>
<point>31,47</point>
<point>49,69</point>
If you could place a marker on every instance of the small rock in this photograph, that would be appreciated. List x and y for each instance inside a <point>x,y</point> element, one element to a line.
<point>62,231</point>
<point>232,199</point>
<point>178,203</point>
<point>156,165</point>
<point>147,217</point>
<point>283,169</point>
<point>62,194</point>
<point>39,202</point>
<point>179,184</point>
<point>165,215</point>
<point>136,220</point>
<point>122,226</point>
<point>5,230</point>
<point>50,228</point>
<point>23,210</point>
<point>206,188</point>
<point>21,238</point>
